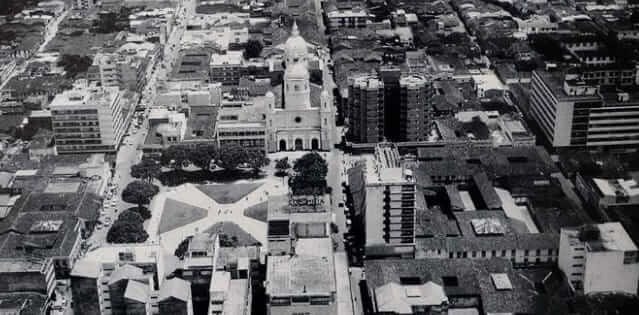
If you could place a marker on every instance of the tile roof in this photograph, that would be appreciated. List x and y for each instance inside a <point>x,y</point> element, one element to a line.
<point>473,277</point>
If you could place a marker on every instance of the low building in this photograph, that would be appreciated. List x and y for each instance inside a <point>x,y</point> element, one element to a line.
<point>304,282</point>
<point>292,218</point>
<point>89,120</point>
<point>599,258</point>
<point>436,286</point>
<point>607,194</point>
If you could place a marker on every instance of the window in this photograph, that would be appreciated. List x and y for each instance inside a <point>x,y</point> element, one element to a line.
<point>526,252</point>
<point>630,257</point>
<point>474,254</point>
<point>483,254</point>
<point>513,253</point>
<point>578,265</point>
<point>503,253</point>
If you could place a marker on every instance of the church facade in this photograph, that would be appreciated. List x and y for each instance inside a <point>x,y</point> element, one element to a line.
<point>299,123</point>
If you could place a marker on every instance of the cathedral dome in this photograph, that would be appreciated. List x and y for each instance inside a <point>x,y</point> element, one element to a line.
<point>296,46</point>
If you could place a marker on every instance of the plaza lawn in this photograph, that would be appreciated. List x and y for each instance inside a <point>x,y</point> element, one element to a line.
<point>177,214</point>
<point>231,229</point>
<point>228,193</point>
<point>258,211</point>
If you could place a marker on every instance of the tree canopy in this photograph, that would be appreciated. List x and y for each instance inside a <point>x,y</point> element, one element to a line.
<point>127,232</point>
<point>75,64</point>
<point>202,155</point>
<point>146,170</point>
<point>253,49</point>
<point>130,216</point>
<point>257,159</point>
<point>282,166</point>
<point>310,175</point>
<point>139,192</point>
<point>232,155</point>
<point>175,157</point>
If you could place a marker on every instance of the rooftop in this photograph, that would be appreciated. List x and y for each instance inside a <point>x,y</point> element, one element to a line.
<point>296,275</point>
<point>297,209</point>
<point>611,237</point>
<point>85,97</point>
<point>460,278</point>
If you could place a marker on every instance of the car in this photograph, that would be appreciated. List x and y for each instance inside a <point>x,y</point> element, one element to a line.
<point>341,204</point>
<point>348,222</point>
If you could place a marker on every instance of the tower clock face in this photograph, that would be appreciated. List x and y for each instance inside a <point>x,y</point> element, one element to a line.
<point>298,119</point>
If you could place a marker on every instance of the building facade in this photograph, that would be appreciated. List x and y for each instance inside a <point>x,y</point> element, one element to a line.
<point>386,194</point>
<point>599,258</point>
<point>89,120</point>
<point>298,125</point>
<point>574,113</point>
<point>372,117</point>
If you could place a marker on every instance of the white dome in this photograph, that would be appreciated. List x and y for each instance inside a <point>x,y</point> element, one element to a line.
<point>296,47</point>
<point>297,71</point>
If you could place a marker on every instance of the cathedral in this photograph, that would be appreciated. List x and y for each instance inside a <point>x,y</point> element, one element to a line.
<point>305,117</point>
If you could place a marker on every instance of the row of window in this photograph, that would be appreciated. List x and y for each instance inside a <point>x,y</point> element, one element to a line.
<point>483,253</point>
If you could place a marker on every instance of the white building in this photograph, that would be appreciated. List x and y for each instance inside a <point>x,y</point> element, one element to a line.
<point>299,124</point>
<point>387,195</point>
<point>89,119</point>
<point>84,4</point>
<point>599,258</point>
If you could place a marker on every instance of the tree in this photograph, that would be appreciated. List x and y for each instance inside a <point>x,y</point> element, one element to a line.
<point>75,64</point>
<point>180,251</point>
<point>232,155</point>
<point>310,175</point>
<point>282,166</point>
<point>257,159</point>
<point>175,157</point>
<point>130,216</point>
<point>146,170</point>
<point>139,192</point>
<point>202,156</point>
<point>143,212</point>
<point>253,49</point>
<point>126,232</point>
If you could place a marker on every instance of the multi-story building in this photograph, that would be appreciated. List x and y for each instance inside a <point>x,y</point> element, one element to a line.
<point>220,277</point>
<point>355,17</point>
<point>599,258</point>
<point>175,297</point>
<point>127,68</point>
<point>84,4</point>
<point>122,279</point>
<point>608,194</point>
<point>371,117</point>
<point>27,275</point>
<point>227,68</point>
<point>385,194</point>
<point>574,113</point>
<point>89,119</point>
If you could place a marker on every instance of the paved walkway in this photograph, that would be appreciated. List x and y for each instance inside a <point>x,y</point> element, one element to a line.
<point>190,194</point>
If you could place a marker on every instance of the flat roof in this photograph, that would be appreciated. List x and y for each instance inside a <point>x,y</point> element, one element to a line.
<point>299,275</point>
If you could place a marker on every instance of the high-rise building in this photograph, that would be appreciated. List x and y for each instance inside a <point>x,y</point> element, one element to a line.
<point>384,193</point>
<point>572,112</point>
<point>88,119</point>
<point>599,258</point>
<point>390,105</point>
